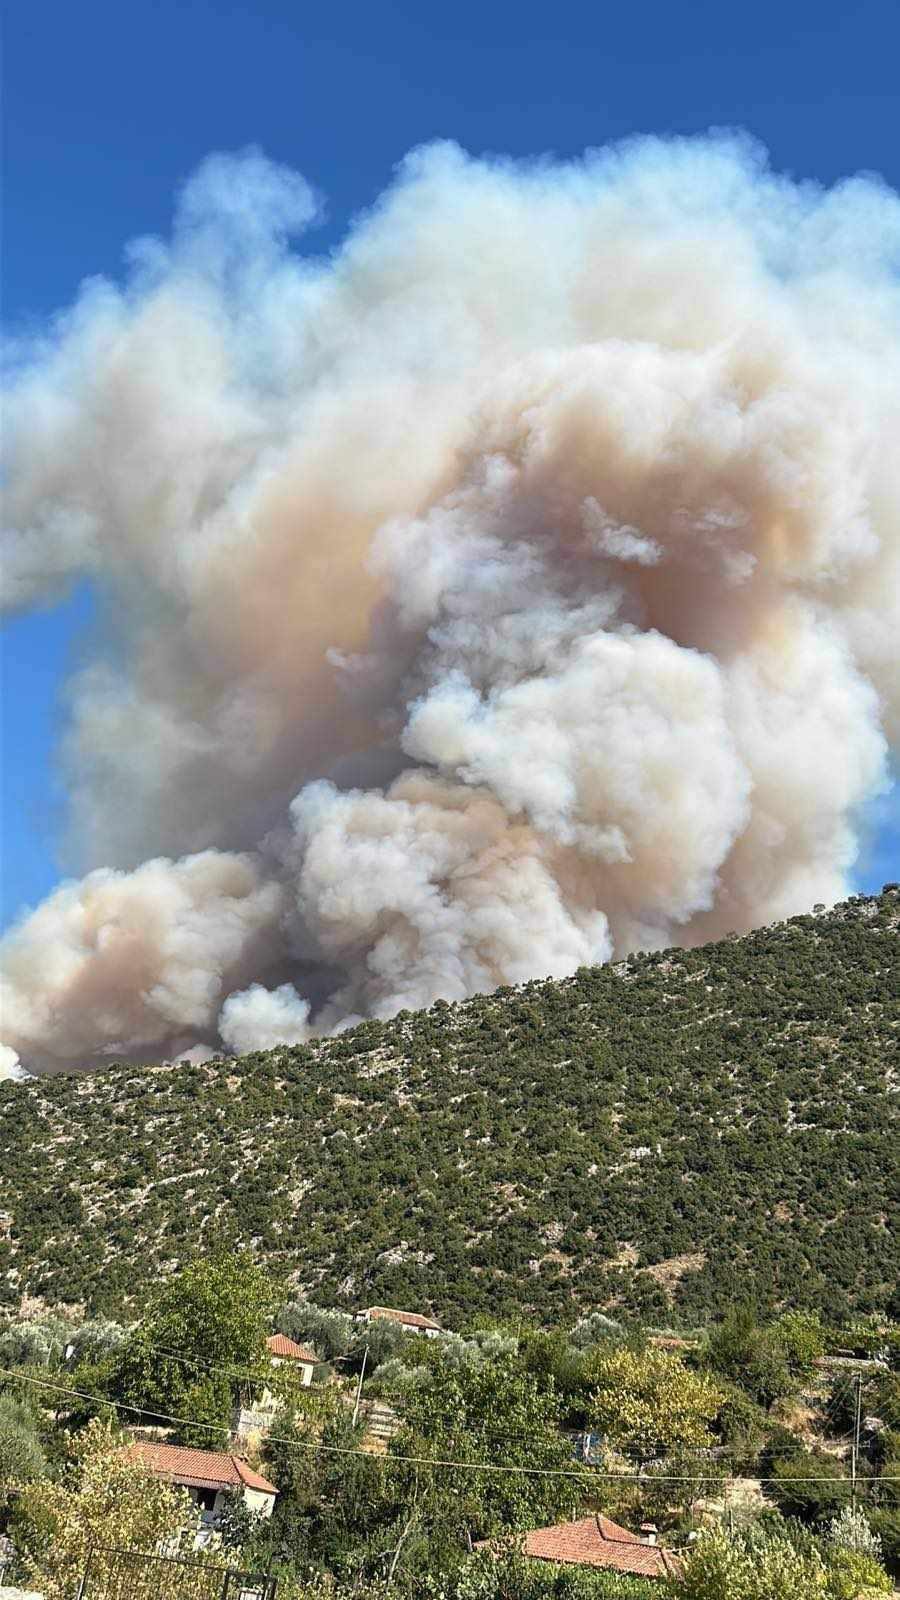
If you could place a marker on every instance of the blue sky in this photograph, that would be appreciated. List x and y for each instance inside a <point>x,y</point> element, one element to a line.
<point>110,107</point>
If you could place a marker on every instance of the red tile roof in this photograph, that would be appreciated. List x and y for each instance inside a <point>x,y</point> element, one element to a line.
<point>615,1531</point>
<point>409,1319</point>
<point>288,1350</point>
<point>198,1469</point>
<point>595,1541</point>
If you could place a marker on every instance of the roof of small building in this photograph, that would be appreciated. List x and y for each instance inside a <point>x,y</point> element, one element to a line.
<point>198,1469</point>
<point>596,1541</point>
<point>410,1319</point>
<point>288,1350</point>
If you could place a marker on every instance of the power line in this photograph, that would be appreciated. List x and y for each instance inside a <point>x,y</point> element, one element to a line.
<point>424,1461</point>
<point>830,1409</point>
<point>857,1422</point>
<point>261,1377</point>
<point>232,1373</point>
<point>295,1386</point>
<point>829,1414</point>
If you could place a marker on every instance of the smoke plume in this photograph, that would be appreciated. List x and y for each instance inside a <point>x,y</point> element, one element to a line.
<point>515,588</point>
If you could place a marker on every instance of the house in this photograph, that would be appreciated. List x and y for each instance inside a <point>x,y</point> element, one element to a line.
<point>299,1357</point>
<point>412,1321</point>
<point>255,1413</point>
<point>596,1541</point>
<point>210,1477</point>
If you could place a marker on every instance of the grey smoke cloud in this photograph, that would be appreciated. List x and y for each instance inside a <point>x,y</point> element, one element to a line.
<point>518,587</point>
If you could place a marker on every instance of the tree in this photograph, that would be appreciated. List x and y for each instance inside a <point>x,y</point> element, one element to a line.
<point>103,1498</point>
<point>239,1527</point>
<point>808,1484</point>
<point>758,1564</point>
<point>751,1356</point>
<point>21,1453</point>
<point>648,1403</point>
<point>886,1399</point>
<point>329,1500</point>
<point>491,1413</point>
<point>553,1356</point>
<point>508,1575</point>
<point>392,1518</point>
<point>330,1333</point>
<point>855,1557</point>
<point>740,1422</point>
<point>801,1337</point>
<point>95,1341</point>
<point>363,1517</point>
<point>379,1341</point>
<point>886,1524</point>
<point>596,1328</point>
<point>854,1576</point>
<point>201,1338</point>
<point>33,1344</point>
<point>850,1530</point>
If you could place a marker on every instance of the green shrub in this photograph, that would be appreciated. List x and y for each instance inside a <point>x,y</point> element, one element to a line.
<point>885,1522</point>
<point>758,1564</point>
<point>511,1576</point>
<point>22,1456</point>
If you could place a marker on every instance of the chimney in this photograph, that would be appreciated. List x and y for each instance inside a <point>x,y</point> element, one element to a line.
<point>650,1532</point>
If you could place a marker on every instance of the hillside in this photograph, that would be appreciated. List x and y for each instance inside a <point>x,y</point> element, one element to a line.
<point>663,1135</point>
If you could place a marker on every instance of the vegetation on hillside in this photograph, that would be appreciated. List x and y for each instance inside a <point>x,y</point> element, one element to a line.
<point>657,1138</point>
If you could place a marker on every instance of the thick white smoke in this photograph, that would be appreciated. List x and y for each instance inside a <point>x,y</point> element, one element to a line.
<point>518,587</point>
<point>9,1063</point>
<point>259,1019</point>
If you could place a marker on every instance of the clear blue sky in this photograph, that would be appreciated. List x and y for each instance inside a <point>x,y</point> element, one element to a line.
<point>109,106</point>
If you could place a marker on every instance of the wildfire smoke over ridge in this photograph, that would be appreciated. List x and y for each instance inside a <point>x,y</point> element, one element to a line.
<point>517,587</point>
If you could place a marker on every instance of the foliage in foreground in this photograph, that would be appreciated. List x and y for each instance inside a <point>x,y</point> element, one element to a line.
<point>365,1518</point>
<point>510,1576</point>
<point>200,1333</point>
<point>650,1404</point>
<point>480,1454</point>
<point>22,1456</point>
<point>102,1498</point>
<point>774,1563</point>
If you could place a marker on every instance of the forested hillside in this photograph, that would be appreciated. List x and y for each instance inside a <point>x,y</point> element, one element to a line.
<point>660,1136</point>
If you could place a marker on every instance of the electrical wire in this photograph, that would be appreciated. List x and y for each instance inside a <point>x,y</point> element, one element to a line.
<point>492,1433</point>
<point>423,1461</point>
<point>498,1434</point>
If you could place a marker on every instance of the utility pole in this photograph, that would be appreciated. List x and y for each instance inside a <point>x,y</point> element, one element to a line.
<point>854,1454</point>
<point>362,1373</point>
